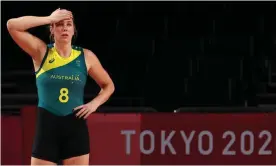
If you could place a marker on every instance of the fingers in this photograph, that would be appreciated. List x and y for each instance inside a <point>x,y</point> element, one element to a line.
<point>62,14</point>
<point>79,107</point>
<point>84,113</point>
<point>66,12</point>
<point>86,116</point>
<point>81,112</point>
<point>67,17</point>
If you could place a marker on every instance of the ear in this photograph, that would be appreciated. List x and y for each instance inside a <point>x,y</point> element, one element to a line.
<point>75,30</point>
<point>51,29</point>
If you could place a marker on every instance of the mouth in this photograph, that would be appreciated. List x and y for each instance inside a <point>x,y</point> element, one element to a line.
<point>64,35</point>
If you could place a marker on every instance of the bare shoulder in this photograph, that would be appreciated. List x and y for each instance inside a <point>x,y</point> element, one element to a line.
<point>90,57</point>
<point>88,53</point>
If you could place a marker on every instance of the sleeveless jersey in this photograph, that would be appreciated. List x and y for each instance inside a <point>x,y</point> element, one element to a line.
<point>61,81</point>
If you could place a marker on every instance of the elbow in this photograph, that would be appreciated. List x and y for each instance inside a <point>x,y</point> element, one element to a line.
<point>14,24</point>
<point>109,87</point>
<point>10,24</point>
<point>112,88</point>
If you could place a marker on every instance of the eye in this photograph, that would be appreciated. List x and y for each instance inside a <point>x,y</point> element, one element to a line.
<point>58,24</point>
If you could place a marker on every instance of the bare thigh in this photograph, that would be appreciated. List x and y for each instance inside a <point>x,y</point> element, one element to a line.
<point>36,161</point>
<point>78,160</point>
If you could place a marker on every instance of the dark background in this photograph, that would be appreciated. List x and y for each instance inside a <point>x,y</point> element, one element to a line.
<point>163,55</point>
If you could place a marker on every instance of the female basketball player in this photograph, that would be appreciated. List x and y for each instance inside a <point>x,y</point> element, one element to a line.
<point>61,72</point>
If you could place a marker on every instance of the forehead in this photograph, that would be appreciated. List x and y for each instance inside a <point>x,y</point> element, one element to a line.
<point>65,21</point>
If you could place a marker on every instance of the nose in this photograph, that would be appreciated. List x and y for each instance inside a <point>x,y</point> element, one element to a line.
<point>65,28</point>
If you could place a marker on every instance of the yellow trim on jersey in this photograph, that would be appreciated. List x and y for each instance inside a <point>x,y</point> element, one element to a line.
<point>54,60</point>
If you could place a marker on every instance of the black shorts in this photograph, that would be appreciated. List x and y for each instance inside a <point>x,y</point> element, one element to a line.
<point>59,137</point>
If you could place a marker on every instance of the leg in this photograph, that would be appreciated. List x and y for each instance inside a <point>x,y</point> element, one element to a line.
<point>75,146</point>
<point>78,160</point>
<point>36,161</point>
<point>45,150</point>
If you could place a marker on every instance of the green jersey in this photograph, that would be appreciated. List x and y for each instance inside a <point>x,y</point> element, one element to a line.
<point>60,81</point>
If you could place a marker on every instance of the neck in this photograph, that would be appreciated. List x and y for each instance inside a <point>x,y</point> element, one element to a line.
<point>63,50</point>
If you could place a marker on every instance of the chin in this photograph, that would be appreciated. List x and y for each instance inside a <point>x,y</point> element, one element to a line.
<point>65,41</point>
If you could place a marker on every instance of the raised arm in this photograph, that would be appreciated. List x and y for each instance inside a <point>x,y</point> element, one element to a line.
<point>31,44</point>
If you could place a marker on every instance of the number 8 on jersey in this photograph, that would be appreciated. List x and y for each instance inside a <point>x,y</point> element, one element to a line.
<point>63,97</point>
